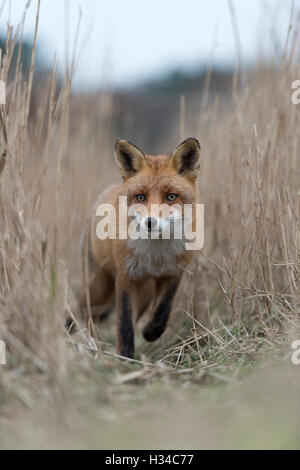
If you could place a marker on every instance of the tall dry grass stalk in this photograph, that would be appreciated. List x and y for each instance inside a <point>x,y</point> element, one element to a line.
<point>58,156</point>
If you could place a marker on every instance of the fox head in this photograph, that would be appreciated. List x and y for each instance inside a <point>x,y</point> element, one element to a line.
<point>159,186</point>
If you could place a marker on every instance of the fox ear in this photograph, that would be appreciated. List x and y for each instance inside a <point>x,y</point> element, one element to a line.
<point>186,158</point>
<point>129,158</point>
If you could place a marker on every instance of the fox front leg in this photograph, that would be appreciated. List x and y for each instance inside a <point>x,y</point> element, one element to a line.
<point>158,323</point>
<point>125,330</point>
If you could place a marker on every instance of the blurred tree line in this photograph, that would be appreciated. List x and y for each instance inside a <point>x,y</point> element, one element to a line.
<point>147,113</point>
<point>184,81</point>
<point>41,66</point>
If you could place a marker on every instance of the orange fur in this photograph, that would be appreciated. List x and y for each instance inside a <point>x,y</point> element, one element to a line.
<point>113,262</point>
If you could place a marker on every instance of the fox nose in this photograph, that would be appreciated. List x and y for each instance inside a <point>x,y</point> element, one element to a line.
<point>151,223</point>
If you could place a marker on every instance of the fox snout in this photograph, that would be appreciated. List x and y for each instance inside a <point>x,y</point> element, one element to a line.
<point>151,223</point>
<point>155,224</point>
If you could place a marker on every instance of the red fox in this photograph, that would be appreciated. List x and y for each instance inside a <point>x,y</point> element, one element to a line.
<point>137,273</point>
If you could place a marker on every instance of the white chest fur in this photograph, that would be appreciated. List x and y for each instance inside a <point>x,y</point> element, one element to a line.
<point>154,258</point>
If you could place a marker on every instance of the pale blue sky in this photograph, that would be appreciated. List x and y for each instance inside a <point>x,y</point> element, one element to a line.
<point>124,41</point>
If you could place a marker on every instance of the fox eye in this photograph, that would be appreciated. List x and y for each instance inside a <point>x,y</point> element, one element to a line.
<point>140,198</point>
<point>172,197</point>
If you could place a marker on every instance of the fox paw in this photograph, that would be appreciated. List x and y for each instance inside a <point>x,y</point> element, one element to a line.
<point>152,333</point>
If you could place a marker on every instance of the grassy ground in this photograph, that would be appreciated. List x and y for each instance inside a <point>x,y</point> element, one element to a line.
<point>243,395</point>
<point>119,407</point>
<point>221,376</point>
